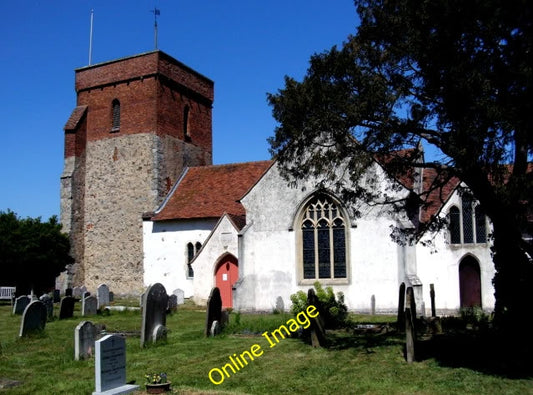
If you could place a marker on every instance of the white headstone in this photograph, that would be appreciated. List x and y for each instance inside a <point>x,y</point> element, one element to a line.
<point>110,366</point>
<point>102,294</point>
<point>180,295</point>
<point>84,338</point>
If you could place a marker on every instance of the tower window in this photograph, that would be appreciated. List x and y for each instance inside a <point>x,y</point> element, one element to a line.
<point>186,130</point>
<point>115,116</point>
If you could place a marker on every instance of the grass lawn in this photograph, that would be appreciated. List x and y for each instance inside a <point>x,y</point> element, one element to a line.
<point>353,364</point>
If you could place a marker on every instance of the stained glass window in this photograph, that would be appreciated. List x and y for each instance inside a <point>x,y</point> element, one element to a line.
<point>323,233</point>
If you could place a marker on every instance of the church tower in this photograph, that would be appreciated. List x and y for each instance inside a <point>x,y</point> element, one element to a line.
<point>138,122</point>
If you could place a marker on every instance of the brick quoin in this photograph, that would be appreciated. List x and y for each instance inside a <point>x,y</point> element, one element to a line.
<point>111,176</point>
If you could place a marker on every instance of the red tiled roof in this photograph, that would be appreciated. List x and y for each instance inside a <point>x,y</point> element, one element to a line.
<point>434,193</point>
<point>210,191</point>
<point>75,117</point>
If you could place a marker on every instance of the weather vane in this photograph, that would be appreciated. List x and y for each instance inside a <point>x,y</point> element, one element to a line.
<point>156,13</point>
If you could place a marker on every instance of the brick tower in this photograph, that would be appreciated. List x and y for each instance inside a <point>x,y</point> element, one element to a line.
<point>137,123</point>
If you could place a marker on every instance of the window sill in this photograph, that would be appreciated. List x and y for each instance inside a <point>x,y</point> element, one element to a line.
<point>324,281</point>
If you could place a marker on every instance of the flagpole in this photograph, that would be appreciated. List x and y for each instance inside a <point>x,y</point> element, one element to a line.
<point>156,13</point>
<point>91,38</point>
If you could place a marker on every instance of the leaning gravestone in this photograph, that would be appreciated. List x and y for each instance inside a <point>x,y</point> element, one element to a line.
<point>66,308</point>
<point>33,318</point>
<point>102,295</point>
<point>49,304</point>
<point>154,312</point>
<point>57,296</point>
<point>318,327</point>
<point>88,306</point>
<point>214,310</point>
<point>180,295</point>
<point>84,338</point>
<point>110,366</point>
<point>401,308</point>
<point>20,304</point>
<point>410,336</point>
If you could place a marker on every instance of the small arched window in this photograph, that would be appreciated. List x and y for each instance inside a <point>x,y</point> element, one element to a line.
<point>186,131</point>
<point>467,225</point>
<point>115,116</point>
<point>190,257</point>
<point>323,240</point>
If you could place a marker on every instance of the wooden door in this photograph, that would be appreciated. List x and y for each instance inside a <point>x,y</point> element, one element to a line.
<point>470,282</point>
<point>226,274</point>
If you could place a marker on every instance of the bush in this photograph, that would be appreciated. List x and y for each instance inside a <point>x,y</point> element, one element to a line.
<point>332,308</point>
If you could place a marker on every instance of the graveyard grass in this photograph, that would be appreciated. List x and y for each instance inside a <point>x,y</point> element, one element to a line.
<point>44,363</point>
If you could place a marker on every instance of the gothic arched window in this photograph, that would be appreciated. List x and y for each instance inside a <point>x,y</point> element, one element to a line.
<point>468,224</point>
<point>323,234</point>
<point>115,121</point>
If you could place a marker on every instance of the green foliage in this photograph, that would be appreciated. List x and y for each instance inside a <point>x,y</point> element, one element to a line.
<point>33,253</point>
<point>333,308</point>
<point>455,75</point>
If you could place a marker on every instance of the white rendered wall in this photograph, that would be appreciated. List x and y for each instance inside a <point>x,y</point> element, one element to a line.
<point>268,251</point>
<point>165,251</point>
<point>439,265</point>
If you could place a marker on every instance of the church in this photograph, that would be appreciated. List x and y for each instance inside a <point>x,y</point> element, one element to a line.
<point>143,203</point>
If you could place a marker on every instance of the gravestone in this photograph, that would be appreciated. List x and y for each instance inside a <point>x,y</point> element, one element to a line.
<point>49,305</point>
<point>20,304</point>
<point>68,292</point>
<point>280,305</point>
<point>88,306</point>
<point>141,300</point>
<point>66,308</point>
<point>410,336</point>
<point>373,305</point>
<point>317,327</point>
<point>33,318</point>
<point>111,296</point>
<point>84,338</point>
<point>57,296</point>
<point>85,294</point>
<point>110,366</point>
<point>411,305</point>
<point>432,296</point>
<point>214,310</point>
<point>180,294</point>
<point>215,328</point>
<point>154,312</point>
<point>102,295</point>
<point>401,307</point>
<point>78,292</point>
<point>172,303</point>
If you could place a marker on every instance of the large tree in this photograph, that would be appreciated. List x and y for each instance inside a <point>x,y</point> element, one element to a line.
<point>32,253</point>
<point>454,74</point>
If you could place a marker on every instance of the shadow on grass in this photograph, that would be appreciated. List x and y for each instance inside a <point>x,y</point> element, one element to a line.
<point>487,352</point>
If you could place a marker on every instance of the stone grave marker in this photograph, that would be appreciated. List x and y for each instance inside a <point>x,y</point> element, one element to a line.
<point>172,303</point>
<point>411,304</point>
<point>57,296</point>
<point>154,312</point>
<point>141,300</point>
<point>68,292</point>
<point>111,296</point>
<point>373,305</point>
<point>49,304</point>
<point>110,366</point>
<point>409,336</point>
<point>318,327</point>
<point>102,295</point>
<point>84,338</point>
<point>214,310</point>
<point>215,328</point>
<point>432,296</point>
<point>280,305</point>
<point>76,292</point>
<point>401,308</point>
<point>66,308</point>
<point>88,306</point>
<point>33,318</point>
<point>20,304</point>
<point>180,294</point>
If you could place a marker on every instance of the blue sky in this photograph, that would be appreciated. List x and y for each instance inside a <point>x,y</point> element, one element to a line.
<point>245,46</point>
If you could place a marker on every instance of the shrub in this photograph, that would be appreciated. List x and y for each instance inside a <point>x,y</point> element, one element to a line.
<point>333,308</point>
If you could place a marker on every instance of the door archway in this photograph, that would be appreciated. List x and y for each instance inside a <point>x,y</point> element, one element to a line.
<point>226,275</point>
<point>470,282</point>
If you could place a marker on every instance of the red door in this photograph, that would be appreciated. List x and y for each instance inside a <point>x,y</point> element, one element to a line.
<point>226,274</point>
<point>469,283</point>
